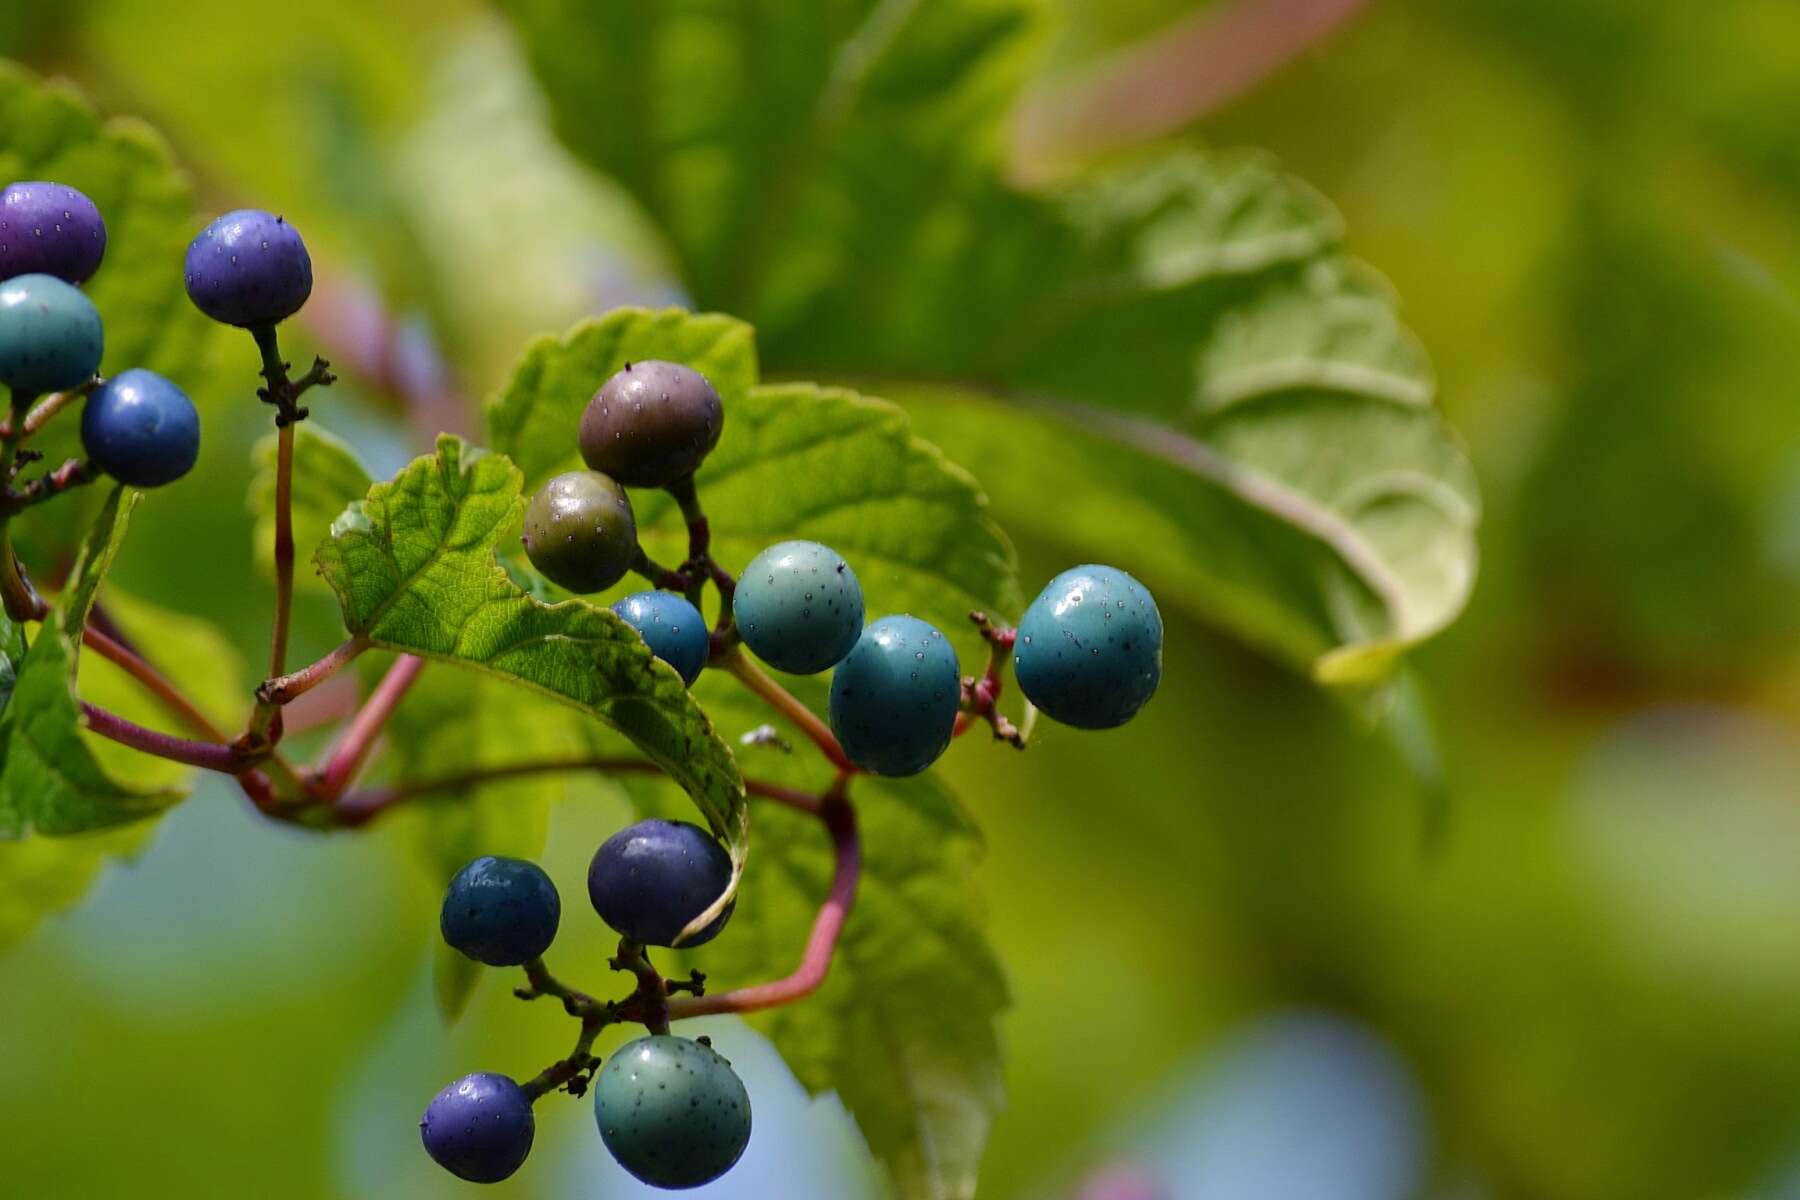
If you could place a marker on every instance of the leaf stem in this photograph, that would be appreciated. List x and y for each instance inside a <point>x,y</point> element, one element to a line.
<point>282,690</point>
<point>284,548</point>
<point>353,750</point>
<point>154,681</point>
<point>210,756</point>
<point>789,706</point>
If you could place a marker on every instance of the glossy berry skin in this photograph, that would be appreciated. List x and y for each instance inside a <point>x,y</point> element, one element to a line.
<point>799,607</point>
<point>141,429</point>
<point>672,628</point>
<point>894,699</point>
<point>672,1111</point>
<point>651,424</point>
<point>249,268</point>
<point>479,1128</point>
<point>50,335</point>
<point>1089,649</point>
<point>500,911</point>
<point>580,531</point>
<point>649,880</point>
<point>49,229</point>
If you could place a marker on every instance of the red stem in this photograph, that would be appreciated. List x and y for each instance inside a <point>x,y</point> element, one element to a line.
<point>283,690</point>
<point>789,706</point>
<point>284,548</point>
<point>358,742</point>
<point>211,756</point>
<point>153,680</point>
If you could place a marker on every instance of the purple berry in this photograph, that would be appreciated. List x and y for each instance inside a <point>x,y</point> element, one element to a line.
<point>479,1128</point>
<point>650,879</point>
<point>249,268</point>
<point>49,229</point>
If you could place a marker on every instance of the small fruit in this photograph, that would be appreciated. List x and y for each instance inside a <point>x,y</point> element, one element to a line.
<point>799,607</point>
<point>1089,649</point>
<point>672,1111</point>
<point>141,429</point>
<point>651,424</point>
<point>249,268</point>
<point>649,880</point>
<point>49,229</point>
<point>50,335</point>
<point>580,531</point>
<point>479,1128</point>
<point>672,628</point>
<point>894,699</point>
<point>500,911</point>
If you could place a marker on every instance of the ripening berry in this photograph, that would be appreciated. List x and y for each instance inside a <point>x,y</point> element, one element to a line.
<point>651,424</point>
<point>50,335</point>
<point>580,531</point>
<point>141,429</point>
<point>479,1128</point>
<point>49,229</point>
<point>894,699</point>
<point>672,628</point>
<point>249,268</point>
<point>1089,649</point>
<point>799,607</point>
<point>649,880</point>
<point>500,911</point>
<point>672,1111</point>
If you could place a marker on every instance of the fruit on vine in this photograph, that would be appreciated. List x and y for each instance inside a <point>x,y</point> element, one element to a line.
<point>1089,649</point>
<point>651,424</point>
<point>672,1111</point>
<point>649,880</point>
<point>50,335</point>
<point>141,429</point>
<point>49,229</point>
<point>799,607</point>
<point>672,628</point>
<point>580,531</point>
<point>479,1128</point>
<point>894,699</point>
<point>249,268</point>
<point>500,911</point>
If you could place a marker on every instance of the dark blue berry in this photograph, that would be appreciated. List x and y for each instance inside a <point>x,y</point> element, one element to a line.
<point>50,335</point>
<point>672,1111</point>
<point>1089,649</point>
<point>799,607</point>
<point>249,268</point>
<point>501,911</point>
<point>580,532</point>
<point>141,429</point>
<point>49,229</point>
<point>649,880</point>
<point>894,699</point>
<point>479,1128</point>
<point>651,424</point>
<point>672,628</point>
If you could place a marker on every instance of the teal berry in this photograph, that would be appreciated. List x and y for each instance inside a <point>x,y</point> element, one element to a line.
<point>1089,649</point>
<point>141,429</point>
<point>672,628</point>
<point>672,1111</point>
<point>50,335</point>
<point>580,532</point>
<point>894,700</point>
<point>799,607</point>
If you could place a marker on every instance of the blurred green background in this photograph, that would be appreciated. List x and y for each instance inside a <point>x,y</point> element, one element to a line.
<point>1236,969</point>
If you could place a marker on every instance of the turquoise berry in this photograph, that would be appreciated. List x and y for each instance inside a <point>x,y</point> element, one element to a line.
<point>50,335</point>
<point>672,628</point>
<point>799,607</point>
<point>1089,649</point>
<point>894,700</point>
<point>141,429</point>
<point>672,1111</point>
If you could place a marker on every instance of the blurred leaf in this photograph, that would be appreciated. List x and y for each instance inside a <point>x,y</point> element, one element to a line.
<point>328,478</point>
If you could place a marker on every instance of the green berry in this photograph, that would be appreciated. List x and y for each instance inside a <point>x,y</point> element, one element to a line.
<point>580,531</point>
<point>672,1111</point>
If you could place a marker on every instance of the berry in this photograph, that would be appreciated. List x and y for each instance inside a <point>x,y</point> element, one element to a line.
<point>649,880</point>
<point>249,268</point>
<point>672,1111</point>
<point>799,607</point>
<point>1089,649</point>
<point>141,429</point>
<point>672,628</point>
<point>500,911</point>
<point>894,699</point>
<point>49,229</point>
<point>479,1128</point>
<point>50,335</point>
<point>580,531</point>
<point>651,424</point>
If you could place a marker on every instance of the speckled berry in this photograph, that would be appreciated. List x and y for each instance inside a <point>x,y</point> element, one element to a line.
<point>1089,649</point>
<point>799,607</point>
<point>894,699</point>
<point>649,880</point>
<point>651,424</point>
<point>49,229</point>
<point>249,268</point>
<point>672,1111</point>
<point>500,911</point>
<point>50,335</point>
<point>672,628</point>
<point>580,531</point>
<point>479,1128</point>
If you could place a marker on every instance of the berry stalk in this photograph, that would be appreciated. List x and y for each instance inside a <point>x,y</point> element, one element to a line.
<point>789,706</point>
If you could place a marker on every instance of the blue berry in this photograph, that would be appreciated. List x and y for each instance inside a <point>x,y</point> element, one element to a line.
<point>50,335</point>
<point>672,1111</point>
<point>1089,649</point>
<point>894,699</point>
<point>649,880</point>
<point>249,268</point>
<point>49,229</point>
<point>141,429</point>
<point>580,532</point>
<point>500,911</point>
<point>651,424</point>
<point>672,628</point>
<point>479,1128</point>
<point>798,607</point>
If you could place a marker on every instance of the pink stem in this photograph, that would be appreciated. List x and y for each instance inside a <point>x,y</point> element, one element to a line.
<point>358,742</point>
<point>210,756</point>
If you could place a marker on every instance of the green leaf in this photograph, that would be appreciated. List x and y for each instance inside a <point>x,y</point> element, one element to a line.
<point>328,477</point>
<point>414,570</point>
<point>43,875</point>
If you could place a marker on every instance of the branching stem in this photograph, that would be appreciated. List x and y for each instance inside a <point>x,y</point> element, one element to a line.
<point>789,706</point>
